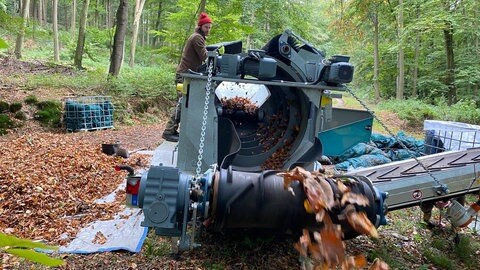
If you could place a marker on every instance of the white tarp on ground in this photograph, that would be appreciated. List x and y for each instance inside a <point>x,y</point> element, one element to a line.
<point>122,233</point>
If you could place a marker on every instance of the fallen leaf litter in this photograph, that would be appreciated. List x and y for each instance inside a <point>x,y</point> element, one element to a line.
<point>49,184</point>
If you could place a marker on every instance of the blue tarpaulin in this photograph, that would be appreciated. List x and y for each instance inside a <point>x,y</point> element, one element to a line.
<point>382,149</point>
<point>79,116</point>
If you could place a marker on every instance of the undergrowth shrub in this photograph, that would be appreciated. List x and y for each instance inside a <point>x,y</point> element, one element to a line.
<point>49,113</point>
<point>5,123</point>
<point>31,100</point>
<point>15,107</point>
<point>463,111</point>
<point>438,258</point>
<point>20,116</point>
<point>413,111</point>
<point>4,106</point>
<point>144,82</point>
<point>89,81</point>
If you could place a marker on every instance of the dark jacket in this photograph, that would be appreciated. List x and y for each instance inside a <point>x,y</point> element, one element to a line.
<point>194,53</point>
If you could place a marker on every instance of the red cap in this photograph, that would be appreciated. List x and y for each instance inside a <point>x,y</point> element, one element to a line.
<point>204,19</point>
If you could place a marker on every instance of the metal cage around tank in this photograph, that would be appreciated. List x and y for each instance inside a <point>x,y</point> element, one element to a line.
<point>87,113</point>
<point>443,136</point>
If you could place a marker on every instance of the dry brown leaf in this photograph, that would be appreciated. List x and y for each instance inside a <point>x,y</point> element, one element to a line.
<point>303,243</point>
<point>354,198</point>
<point>379,265</point>
<point>99,238</point>
<point>332,248</point>
<point>52,182</point>
<point>328,250</point>
<point>358,261</point>
<point>342,187</point>
<point>318,190</point>
<point>360,222</point>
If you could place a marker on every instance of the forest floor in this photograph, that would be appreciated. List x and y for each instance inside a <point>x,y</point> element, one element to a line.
<point>35,158</point>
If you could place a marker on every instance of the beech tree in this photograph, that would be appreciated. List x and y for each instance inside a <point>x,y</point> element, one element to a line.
<point>136,23</point>
<point>56,45</point>
<point>401,53</point>
<point>73,18</point>
<point>21,34</point>
<point>450,7</point>
<point>116,57</point>
<point>81,36</point>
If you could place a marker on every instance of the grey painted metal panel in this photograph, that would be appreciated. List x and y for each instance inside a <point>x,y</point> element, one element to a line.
<point>193,105</point>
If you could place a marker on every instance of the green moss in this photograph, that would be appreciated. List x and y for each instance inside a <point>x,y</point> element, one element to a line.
<point>15,107</point>
<point>31,100</point>
<point>5,123</point>
<point>20,116</point>
<point>49,113</point>
<point>4,106</point>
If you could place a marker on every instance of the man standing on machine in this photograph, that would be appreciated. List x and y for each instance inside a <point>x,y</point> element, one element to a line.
<point>193,55</point>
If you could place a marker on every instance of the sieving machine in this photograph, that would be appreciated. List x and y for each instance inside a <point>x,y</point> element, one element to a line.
<point>249,116</point>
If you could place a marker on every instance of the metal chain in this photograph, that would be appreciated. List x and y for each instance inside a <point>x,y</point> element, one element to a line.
<point>208,88</point>
<point>442,188</point>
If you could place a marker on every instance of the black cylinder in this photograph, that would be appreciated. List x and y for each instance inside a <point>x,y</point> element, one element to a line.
<point>244,200</point>
<point>248,200</point>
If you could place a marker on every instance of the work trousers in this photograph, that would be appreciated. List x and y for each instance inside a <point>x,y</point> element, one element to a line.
<point>175,112</point>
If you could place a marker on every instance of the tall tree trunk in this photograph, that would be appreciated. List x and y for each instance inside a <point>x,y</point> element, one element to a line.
<point>65,17</point>
<point>119,39</point>
<point>81,35</point>
<point>249,44</point>
<point>21,34</point>
<point>136,23</point>
<point>416,58</point>
<point>109,12</point>
<point>450,8</point>
<point>376,55</point>
<point>45,10</point>
<point>36,14</point>
<point>107,15</point>
<point>73,22</point>
<point>20,7</point>
<point>156,38</point>
<point>401,54</point>
<point>450,69</point>
<point>144,29</point>
<point>202,6</point>
<point>96,18</point>
<point>415,65</point>
<point>56,45</point>
<point>477,44</point>
<point>32,10</point>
